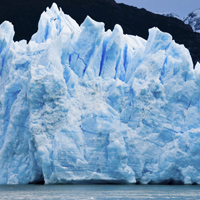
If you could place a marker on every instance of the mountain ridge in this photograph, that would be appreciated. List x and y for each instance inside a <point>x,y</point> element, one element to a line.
<point>193,19</point>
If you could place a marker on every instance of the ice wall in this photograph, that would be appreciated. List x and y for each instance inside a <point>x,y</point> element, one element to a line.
<point>82,104</point>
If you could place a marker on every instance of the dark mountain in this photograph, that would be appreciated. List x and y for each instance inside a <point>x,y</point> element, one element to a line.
<point>25,14</point>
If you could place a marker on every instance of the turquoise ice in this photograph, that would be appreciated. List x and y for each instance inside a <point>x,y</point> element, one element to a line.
<point>78,103</point>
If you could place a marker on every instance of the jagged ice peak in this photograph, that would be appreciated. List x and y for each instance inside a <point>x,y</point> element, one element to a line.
<point>78,103</point>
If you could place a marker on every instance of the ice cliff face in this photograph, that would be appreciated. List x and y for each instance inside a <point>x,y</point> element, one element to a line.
<point>82,104</point>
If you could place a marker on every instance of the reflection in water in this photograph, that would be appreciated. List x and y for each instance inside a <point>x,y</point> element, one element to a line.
<point>79,192</point>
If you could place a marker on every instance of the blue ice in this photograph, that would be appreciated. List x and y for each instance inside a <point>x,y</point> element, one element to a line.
<point>78,103</point>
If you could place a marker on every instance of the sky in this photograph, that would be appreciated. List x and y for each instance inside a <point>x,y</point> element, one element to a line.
<point>179,7</point>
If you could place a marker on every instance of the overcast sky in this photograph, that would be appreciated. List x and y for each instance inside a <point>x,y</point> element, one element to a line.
<point>179,7</point>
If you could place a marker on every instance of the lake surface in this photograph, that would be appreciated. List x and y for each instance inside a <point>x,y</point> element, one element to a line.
<point>102,192</point>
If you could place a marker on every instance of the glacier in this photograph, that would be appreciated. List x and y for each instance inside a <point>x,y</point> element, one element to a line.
<point>81,104</point>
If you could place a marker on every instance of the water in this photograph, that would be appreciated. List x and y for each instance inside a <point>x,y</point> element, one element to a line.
<point>102,192</point>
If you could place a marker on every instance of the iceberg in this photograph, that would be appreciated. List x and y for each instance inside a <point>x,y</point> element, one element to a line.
<point>81,104</point>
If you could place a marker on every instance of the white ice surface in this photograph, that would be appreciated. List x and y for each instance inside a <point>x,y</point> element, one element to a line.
<point>82,104</point>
